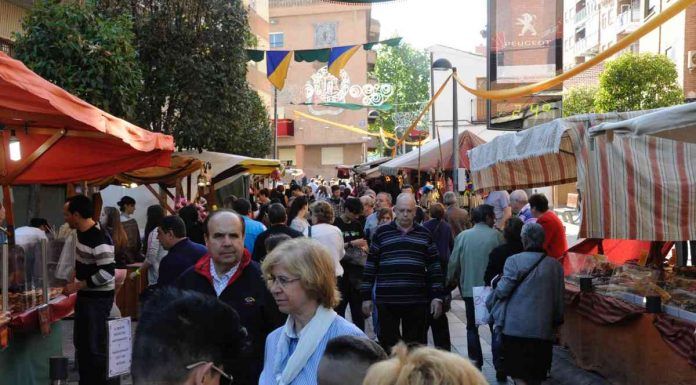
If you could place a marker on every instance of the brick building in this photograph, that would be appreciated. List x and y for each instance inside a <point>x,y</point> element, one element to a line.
<point>316,147</point>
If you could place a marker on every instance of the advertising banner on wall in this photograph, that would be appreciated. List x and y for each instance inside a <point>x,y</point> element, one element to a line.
<point>524,46</point>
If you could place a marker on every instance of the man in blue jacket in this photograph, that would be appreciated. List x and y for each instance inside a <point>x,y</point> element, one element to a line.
<point>228,273</point>
<point>182,252</point>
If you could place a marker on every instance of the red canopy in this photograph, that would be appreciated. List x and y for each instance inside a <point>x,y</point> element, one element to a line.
<point>65,139</point>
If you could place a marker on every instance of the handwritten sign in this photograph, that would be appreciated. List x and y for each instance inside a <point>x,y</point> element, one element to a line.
<point>120,346</point>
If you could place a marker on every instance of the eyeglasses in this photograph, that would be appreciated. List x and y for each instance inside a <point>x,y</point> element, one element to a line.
<point>226,376</point>
<point>282,281</point>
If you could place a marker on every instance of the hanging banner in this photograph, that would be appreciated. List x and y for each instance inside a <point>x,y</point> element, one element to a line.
<point>525,40</point>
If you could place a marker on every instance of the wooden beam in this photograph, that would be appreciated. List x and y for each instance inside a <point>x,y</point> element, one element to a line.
<point>28,161</point>
<point>188,188</point>
<point>162,203</point>
<point>166,190</point>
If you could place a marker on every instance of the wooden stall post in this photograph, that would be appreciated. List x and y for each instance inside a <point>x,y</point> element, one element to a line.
<point>9,213</point>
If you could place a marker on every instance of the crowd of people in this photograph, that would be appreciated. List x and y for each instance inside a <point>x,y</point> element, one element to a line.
<point>282,288</point>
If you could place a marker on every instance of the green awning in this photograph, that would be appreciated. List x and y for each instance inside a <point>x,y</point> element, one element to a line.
<point>312,55</point>
<point>390,42</point>
<point>351,106</point>
<point>256,55</point>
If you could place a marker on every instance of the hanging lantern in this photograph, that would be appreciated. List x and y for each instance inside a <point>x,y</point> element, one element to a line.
<point>15,148</point>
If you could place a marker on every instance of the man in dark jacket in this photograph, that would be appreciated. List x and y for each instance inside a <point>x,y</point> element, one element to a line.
<point>228,273</point>
<point>278,218</point>
<point>182,252</point>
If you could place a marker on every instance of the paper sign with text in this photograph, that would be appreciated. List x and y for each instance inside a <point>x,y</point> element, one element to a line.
<point>120,346</point>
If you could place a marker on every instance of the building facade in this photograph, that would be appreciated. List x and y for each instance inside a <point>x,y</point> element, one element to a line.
<point>471,68</point>
<point>318,147</point>
<point>258,14</point>
<point>591,26</point>
<point>11,14</point>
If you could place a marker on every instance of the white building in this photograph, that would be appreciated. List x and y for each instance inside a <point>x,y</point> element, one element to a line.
<point>471,68</point>
<point>591,26</point>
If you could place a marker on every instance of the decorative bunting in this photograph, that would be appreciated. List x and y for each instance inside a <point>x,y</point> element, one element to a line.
<point>277,64</point>
<point>339,58</point>
<point>319,55</point>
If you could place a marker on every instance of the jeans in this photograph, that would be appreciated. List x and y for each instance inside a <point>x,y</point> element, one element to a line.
<point>473,343</point>
<point>441,333</point>
<point>496,347</point>
<point>89,338</point>
<point>413,320</point>
<point>349,286</point>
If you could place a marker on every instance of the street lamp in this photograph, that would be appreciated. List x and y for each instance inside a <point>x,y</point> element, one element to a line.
<point>445,65</point>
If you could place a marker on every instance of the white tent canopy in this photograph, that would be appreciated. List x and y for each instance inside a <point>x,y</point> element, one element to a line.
<point>226,166</point>
<point>675,123</point>
<point>469,137</point>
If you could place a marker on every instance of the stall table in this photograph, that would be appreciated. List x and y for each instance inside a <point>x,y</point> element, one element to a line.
<point>626,345</point>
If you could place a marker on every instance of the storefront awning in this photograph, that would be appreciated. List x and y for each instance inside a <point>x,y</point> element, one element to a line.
<point>65,139</point>
<point>226,166</point>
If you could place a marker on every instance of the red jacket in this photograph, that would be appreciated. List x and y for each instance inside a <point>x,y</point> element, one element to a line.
<point>555,243</point>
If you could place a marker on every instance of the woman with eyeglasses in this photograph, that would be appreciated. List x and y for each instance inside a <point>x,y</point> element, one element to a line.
<point>300,276</point>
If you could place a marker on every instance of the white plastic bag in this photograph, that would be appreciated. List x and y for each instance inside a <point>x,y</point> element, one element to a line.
<point>66,262</point>
<point>481,313</point>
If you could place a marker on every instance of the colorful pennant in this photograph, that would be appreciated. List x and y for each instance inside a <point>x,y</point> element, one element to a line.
<point>277,64</point>
<point>339,57</point>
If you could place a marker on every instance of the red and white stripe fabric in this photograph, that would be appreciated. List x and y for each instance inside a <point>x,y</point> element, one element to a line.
<point>633,187</point>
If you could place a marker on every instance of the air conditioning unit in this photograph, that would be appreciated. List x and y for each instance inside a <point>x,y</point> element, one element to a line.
<point>691,55</point>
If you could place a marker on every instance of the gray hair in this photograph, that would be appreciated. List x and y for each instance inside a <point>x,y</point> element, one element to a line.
<point>367,200</point>
<point>519,196</point>
<point>532,236</point>
<point>406,197</point>
<point>450,198</point>
<point>386,195</point>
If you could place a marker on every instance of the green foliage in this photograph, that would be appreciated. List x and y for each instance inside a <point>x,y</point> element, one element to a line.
<point>88,55</point>
<point>408,70</point>
<point>579,100</point>
<point>638,82</point>
<point>194,67</point>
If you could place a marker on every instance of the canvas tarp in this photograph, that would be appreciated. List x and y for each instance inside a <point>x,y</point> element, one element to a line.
<point>180,167</point>
<point>87,143</point>
<point>631,187</point>
<point>431,151</point>
<point>227,166</point>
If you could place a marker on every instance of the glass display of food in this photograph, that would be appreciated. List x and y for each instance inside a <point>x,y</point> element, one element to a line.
<point>30,268</point>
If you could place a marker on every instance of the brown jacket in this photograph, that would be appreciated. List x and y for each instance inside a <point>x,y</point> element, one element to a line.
<point>458,220</point>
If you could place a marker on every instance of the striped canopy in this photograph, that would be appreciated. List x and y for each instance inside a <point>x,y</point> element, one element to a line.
<point>632,187</point>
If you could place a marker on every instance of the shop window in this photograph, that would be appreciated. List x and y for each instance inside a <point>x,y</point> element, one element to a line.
<point>331,155</point>
<point>277,39</point>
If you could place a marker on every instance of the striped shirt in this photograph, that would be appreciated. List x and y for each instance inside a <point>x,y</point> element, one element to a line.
<point>404,266</point>
<point>94,262</point>
<point>308,375</point>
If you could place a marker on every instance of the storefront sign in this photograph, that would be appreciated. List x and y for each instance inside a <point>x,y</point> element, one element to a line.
<point>120,346</point>
<point>525,46</point>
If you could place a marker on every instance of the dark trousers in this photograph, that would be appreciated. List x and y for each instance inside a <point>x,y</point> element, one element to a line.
<point>473,343</point>
<point>89,338</point>
<point>497,348</point>
<point>412,320</point>
<point>441,333</point>
<point>349,286</point>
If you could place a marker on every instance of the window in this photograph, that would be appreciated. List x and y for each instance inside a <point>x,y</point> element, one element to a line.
<point>287,154</point>
<point>6,46</point>
<point>650,7</point>
<point>579,33</point>
<point>634,48</point>
<point>276,39</point>
<point>331,155</point>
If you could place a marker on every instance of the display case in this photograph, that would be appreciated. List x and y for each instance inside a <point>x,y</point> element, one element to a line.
<point>27,276</point>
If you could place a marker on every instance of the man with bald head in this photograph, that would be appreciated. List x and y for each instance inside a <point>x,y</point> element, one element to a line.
<point>227,272</point>
<point>403,263</point>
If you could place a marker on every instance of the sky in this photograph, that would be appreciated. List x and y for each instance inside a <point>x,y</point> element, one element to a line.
<point>422,23</point>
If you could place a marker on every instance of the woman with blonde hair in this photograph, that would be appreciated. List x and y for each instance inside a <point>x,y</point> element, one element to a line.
<point>300,275</point>
<point>423,366</point>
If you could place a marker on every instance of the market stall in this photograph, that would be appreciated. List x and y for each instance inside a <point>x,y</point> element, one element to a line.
<point>630,312</point>
<point>51,137</point>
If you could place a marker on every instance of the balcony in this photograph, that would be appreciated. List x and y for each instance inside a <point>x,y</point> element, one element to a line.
<point>628,21</point>
<point>587,46</point>
<point>580,15</point>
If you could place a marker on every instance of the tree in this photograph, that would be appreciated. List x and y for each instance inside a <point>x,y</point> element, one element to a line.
<point>408,71</point>
<point>638,82</point>
<point>194,66</point>
<point>88,55</point>
<point>579,100</point>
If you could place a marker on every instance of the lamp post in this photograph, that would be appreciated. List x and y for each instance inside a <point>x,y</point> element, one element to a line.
<point>445,65</point>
